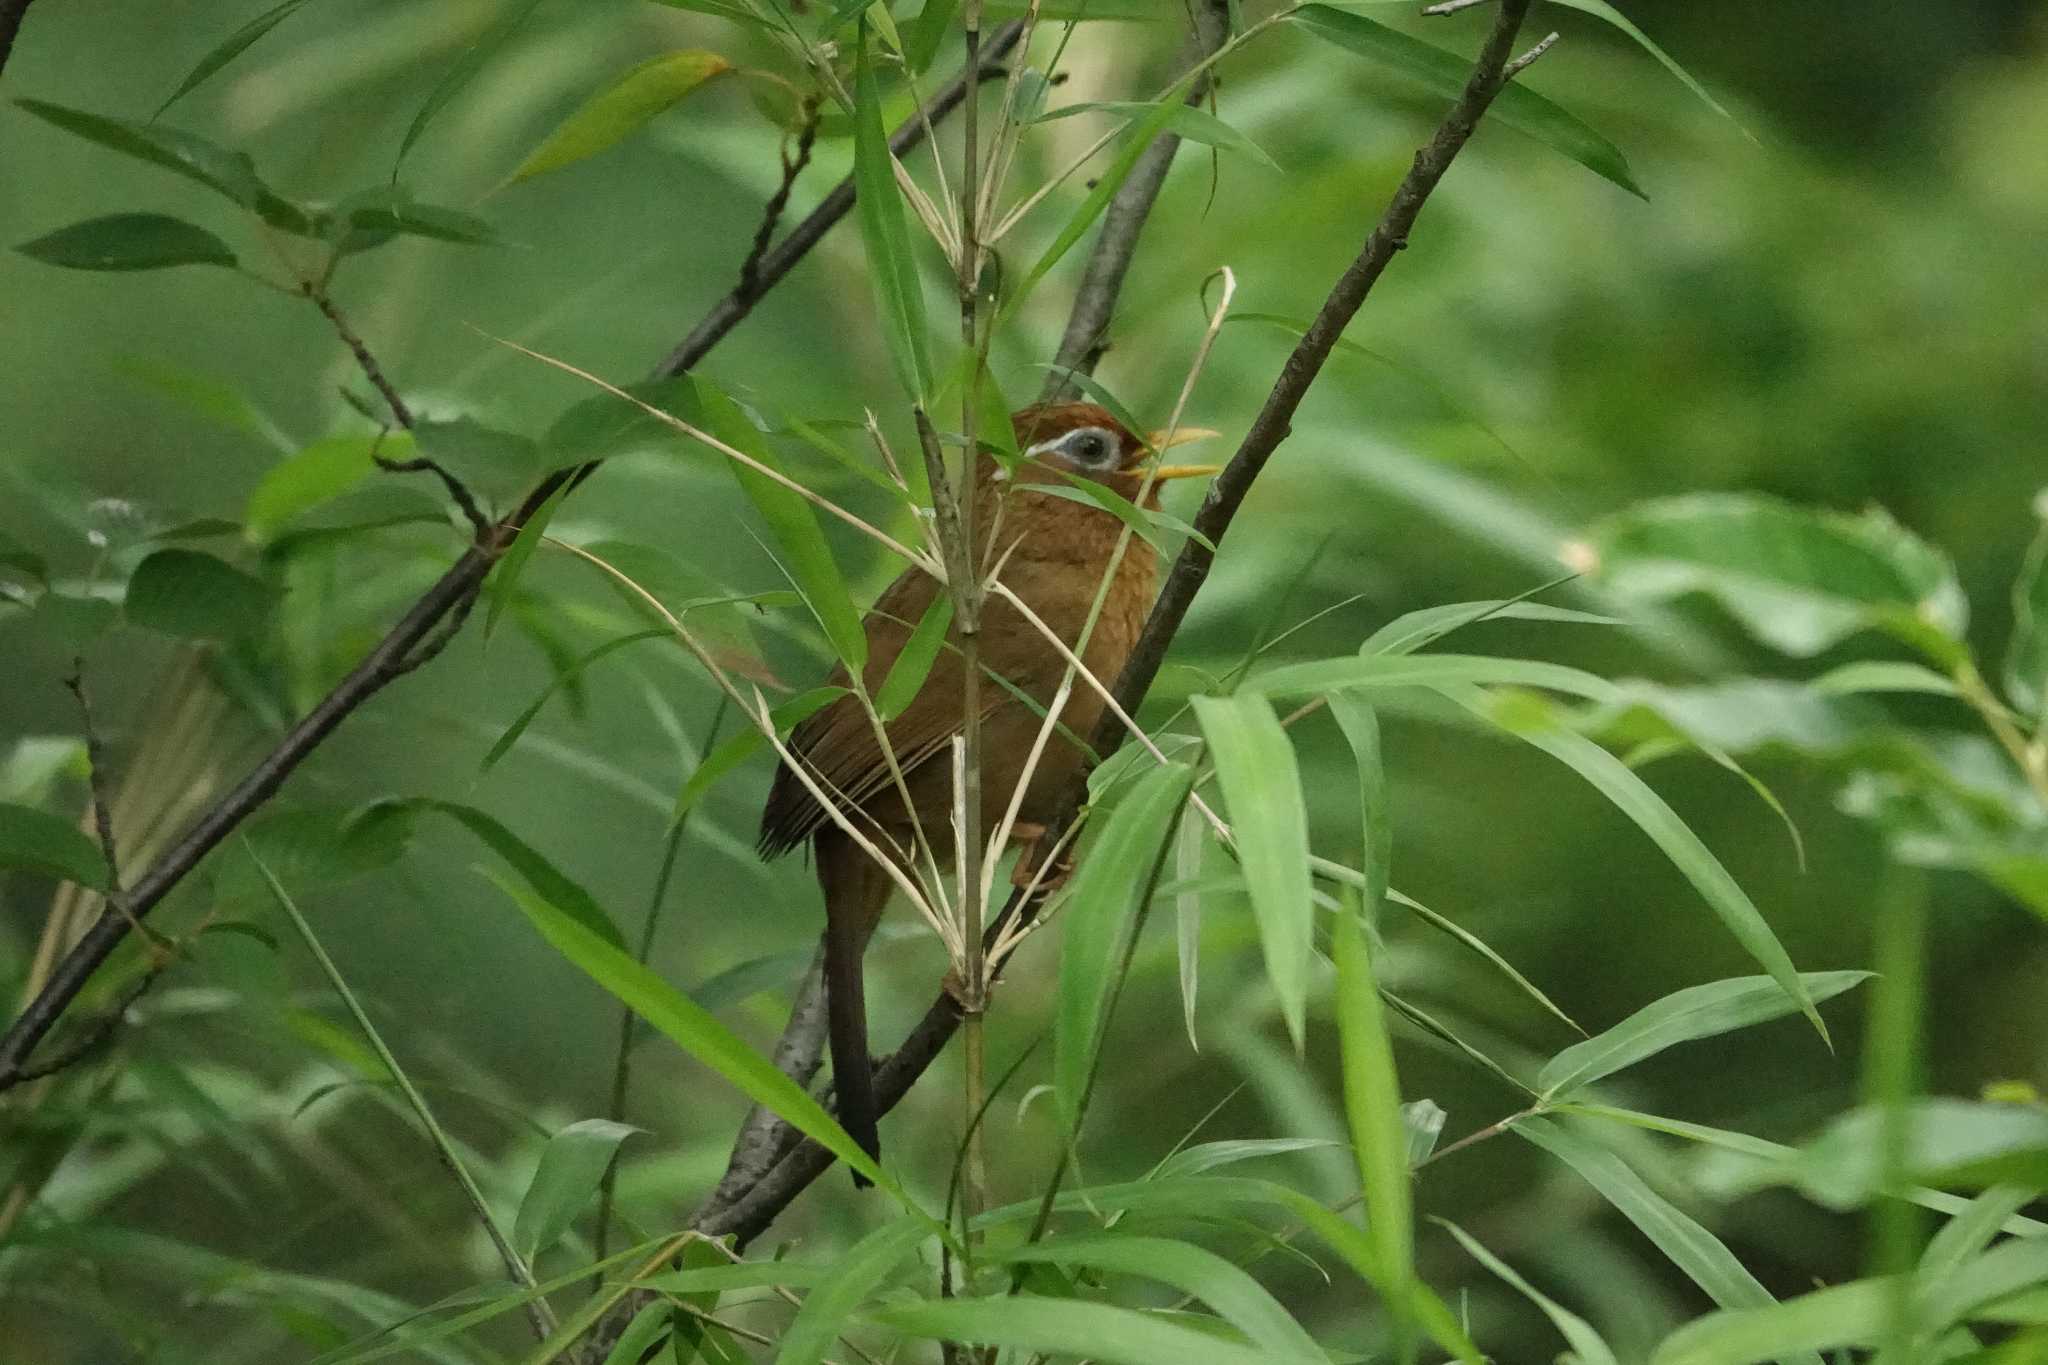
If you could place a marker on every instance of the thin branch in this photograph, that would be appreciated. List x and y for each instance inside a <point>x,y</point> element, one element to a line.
<point>372,371</point>
<point>792,167</point>
<point>1095,300</point>
<point>400,650</point>
<point>1528,59</point>
<point>96,777</point>
<point>11,12</point>
<point>1437,11</point>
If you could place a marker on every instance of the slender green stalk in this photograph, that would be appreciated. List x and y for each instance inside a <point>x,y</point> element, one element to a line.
<point>2030,758</point>
<point>1891,1081</point>
<point>622,1063</point>
<point>537,1310</point>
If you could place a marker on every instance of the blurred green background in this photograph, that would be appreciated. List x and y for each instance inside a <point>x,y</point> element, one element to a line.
<point>1844,309</point>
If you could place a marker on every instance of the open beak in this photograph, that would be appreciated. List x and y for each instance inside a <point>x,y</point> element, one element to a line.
<point>1163,441</point>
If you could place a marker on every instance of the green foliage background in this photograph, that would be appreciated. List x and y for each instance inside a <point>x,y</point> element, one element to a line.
<point>1844,311</point>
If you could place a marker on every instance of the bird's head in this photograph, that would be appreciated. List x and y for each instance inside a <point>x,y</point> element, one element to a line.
<point>1085,440</point>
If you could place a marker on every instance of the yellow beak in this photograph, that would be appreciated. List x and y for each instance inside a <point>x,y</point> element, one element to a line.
<point>1163,441</point>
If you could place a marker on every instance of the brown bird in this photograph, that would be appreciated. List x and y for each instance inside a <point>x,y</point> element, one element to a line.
<point>1053,551</point>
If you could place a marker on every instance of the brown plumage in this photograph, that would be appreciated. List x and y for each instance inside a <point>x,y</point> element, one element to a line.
<point>1054,551</point>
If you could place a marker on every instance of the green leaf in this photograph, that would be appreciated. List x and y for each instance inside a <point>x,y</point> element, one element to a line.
<point>1183,120</point>
<point>129,241</point>
<point>1853,1314</point>
<point>505,577</point>
<point>1261,784</point>
<point>1601,9</point>
<point>1947,1142</point>
<point>1104,188</point>
<point>1964,1236</point>
<point>1798,579</point>
<point>856,1275</point>
<point>1111,885</point>
<point>604,425</point>
<point>374,217</point>
<point>36,841</point>
<point>546,880</point>
<point>1654,816</point>
<point>1372,1109</point>
<point>906,676</point>
<point>1361,727</point>
<point>1882,675</point>
<point>690,1027</point>
<point>571,1167</point>
<point>1413,630</point>
<point>229,48</point>
<point>1427,670</point>
<point>1444,924</point>
<point>1587,1347</point>
<point>186,154</point>
<point>1208,1156</point>
<point>196,596</point>
<point>1235,1296</point>
<point>322,471</point>
<point>647,1330</point>
<point>899,293</point>
<point>520,723</point>
<point>2026,656</point>
<point>1444,73</point>
<point>1695,1012</point>
<point>1072,1327</point>
<point>647,91</point>
<point>794,524</point>
<point>1690,1247</point>
<point>464,69</point>
<point>736,749</point>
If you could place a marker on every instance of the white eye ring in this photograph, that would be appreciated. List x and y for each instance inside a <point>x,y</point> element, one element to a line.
<point>1105,452</point>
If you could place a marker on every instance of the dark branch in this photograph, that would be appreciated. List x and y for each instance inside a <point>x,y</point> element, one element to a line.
<point>372,371</point>
<point>96,777</point>
<point>11,12</point>
<point>771,214</point>
<point>1087,335</point>
<point>401,649</point>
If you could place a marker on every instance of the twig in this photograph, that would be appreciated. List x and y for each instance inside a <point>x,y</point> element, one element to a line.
<point>543,1317</point>
<point>11,12</point>
<point>399,650</point>
<point>458,492</point>
<point>96,777</point>
<point>771,214</point>
<point>1095,300</point>
<point>102,1030</point>
<point>1527,59</point>
<point>1437,11</point>
<point>372,371</point>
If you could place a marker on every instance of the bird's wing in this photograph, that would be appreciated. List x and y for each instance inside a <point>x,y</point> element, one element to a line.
<point>837,745</point>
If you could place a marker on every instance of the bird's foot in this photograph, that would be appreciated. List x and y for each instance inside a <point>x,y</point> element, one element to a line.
<point>1027,876</point>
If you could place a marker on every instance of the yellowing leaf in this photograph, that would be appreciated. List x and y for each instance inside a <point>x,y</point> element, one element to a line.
<point>606,118</point>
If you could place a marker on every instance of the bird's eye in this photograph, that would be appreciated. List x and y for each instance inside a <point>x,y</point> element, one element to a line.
<point>1089,446</point>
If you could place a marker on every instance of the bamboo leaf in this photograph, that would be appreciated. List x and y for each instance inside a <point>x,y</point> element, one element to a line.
<point>1109,887</point>
<point>2026,656</point>
<point>899,294</point>
<point>1695,1012</point>
<point>524,720</point>
<point>1138,137</point>
<point>1602,10</point>
<point>319,473</point>
<point>187,154</point>
<point>1261,784</point>
<point>571,1165</point>
<point>1654,816</point>
<point>194,595</point>
<point>622,108</point>
<point>1587,1347</point>
<point>855,1276</point>
<point>129,241</point>
<point>1235,1296</point>
<point>794,525</point>
<point>1372,1108</point>
<point>229,48</point>
<point>1427,670</point>
<point>1690,1247</point>
<point>464,69</point>
<point>1361,727</point>
<point>1412,630</point>
<point>1444,73</point>
<point>1183,121</point>
<point>1073,1327</point>
<point>505,577</point>
<point>741,746</point>
<point>690,1027</point>
<point>36,841</point>
<point>914,664</point>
